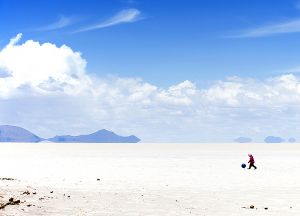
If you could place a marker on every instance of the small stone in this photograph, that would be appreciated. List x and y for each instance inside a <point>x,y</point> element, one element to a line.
<point>51,191</point>
<point>7,179</point>
<point>266,208</point>
<point>98,179</point>
<point>252,206</point>
<point>26,192</point>
<point>16,202</point>
<point>11,199</point>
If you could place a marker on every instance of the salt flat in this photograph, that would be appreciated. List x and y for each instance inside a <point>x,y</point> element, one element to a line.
<point>150,179</point>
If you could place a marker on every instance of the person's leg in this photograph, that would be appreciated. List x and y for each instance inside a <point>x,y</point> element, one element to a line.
<point>254,166</point>
<point>250,165</point>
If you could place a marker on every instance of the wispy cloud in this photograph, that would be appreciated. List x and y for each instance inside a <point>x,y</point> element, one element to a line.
<point>124,16</point>
<point>298,5</point>
<point>291,70</point>
<point>61,23</point>
<point>292,26</point>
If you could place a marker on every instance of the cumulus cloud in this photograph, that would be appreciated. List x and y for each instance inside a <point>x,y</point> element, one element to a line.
<point>41,67</point>
<point>124,16</point>
<point>47,89</point>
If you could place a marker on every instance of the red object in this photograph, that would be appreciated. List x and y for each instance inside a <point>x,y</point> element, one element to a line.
<point>251,159</point>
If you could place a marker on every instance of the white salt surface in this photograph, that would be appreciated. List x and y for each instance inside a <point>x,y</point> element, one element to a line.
<point>151,179</point>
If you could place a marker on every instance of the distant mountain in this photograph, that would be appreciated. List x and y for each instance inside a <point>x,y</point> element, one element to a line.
<point>273,139</point>
<point>243,140</point>
<point>101,136</point>
<point>10,133</point>
<point>292,140</point>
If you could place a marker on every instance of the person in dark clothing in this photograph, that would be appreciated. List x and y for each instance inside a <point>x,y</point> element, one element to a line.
<point>251,161</point>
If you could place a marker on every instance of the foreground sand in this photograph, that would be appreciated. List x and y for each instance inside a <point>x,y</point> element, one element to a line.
<point>149,179</point>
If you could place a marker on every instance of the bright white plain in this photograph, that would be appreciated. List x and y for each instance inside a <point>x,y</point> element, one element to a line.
<point>152,179</point>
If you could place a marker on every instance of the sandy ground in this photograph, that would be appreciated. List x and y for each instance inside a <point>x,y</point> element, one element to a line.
<point>149,179</point>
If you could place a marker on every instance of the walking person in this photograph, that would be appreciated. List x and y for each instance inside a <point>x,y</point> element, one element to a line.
<point>251,162</point>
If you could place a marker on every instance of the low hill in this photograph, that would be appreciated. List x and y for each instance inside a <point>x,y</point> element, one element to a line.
<point>243,140</point>
<point>101,136</point>
<point>10,133</point>
<point>273,139</point>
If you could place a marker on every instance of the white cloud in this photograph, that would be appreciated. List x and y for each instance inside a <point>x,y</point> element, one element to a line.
<point>298,5</point>
<point>15,40</point>
<point>291,26</point>
<point>124,16</point>
<point>41,66</point>
<point>283,27</point>
<point>47,89</point>
<point>61,23</point>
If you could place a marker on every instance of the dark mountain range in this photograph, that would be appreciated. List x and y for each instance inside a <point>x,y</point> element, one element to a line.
<point>10,133</point>
<point>101,136</point>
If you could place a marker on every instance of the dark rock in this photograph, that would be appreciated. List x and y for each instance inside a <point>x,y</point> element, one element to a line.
<point>26,192</point>
<point>11,202</point>
<point>252,206</point>
<point>7,179</point>
<point>16,202</point>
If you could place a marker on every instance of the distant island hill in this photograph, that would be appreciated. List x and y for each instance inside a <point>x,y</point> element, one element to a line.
<point>9,133</point>
<point>268,139</point>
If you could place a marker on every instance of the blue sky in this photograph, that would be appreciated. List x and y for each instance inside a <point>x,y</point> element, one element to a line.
<point>170,42</point>
<point>166,71</point>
